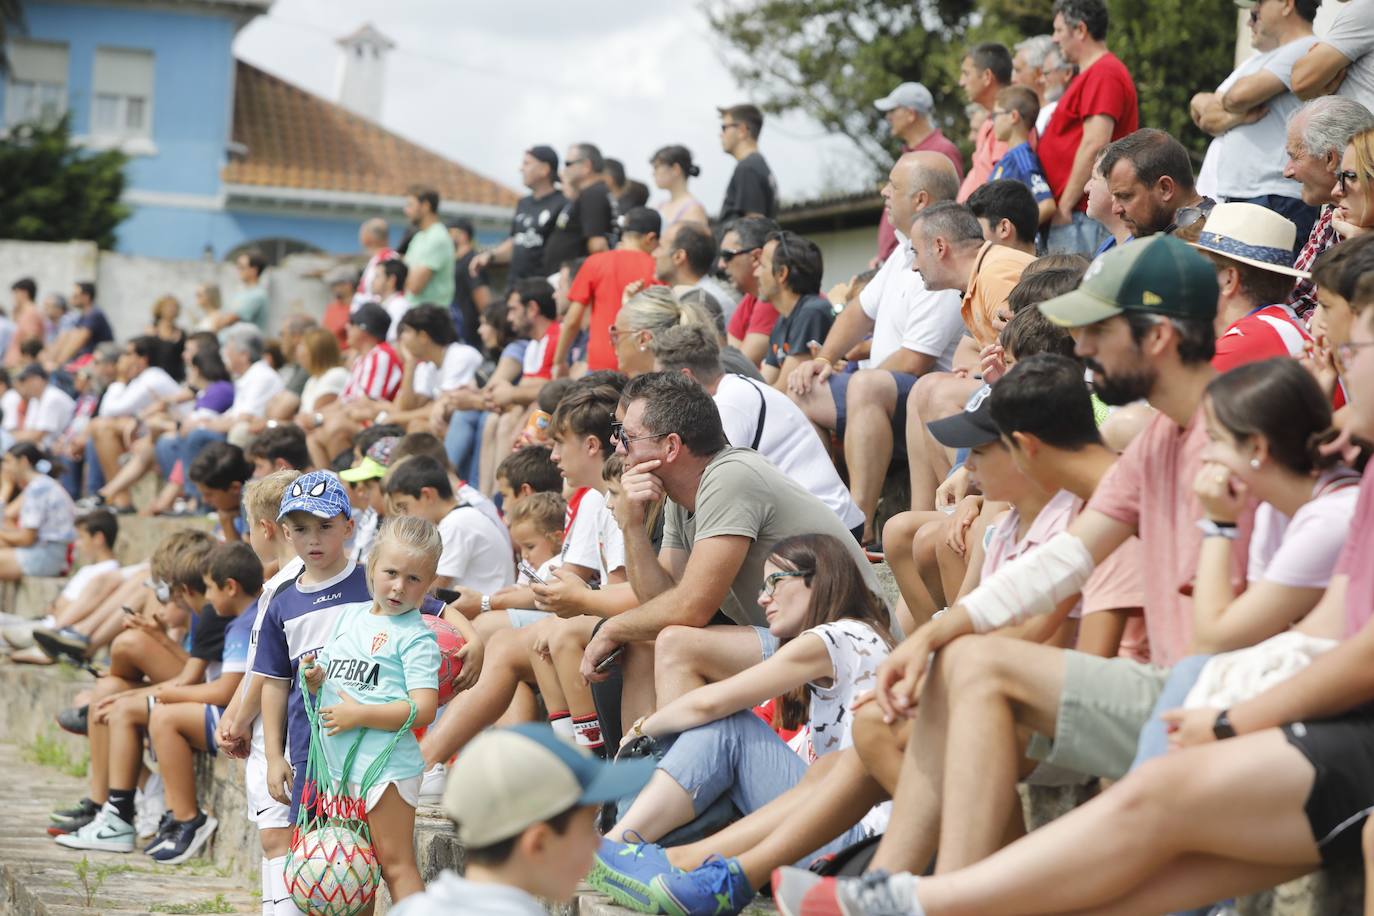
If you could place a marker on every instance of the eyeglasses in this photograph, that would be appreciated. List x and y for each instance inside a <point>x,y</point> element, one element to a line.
<point>1346,176</point>
<point>770,582</point>
<point>1348,351</point>
<point>618,434</point>
<point>729,254</point>
<point>998,112</point>
<point>616,333</point>
<point>726,125</point>
<point>573,161</point>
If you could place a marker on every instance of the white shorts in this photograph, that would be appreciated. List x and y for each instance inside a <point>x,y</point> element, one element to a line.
<point>263,810</point>
<point>409,790</point>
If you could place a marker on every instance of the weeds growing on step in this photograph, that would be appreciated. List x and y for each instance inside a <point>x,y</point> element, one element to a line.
<point>47,750</point>
<point>92,878</point>
<point>217,905</point>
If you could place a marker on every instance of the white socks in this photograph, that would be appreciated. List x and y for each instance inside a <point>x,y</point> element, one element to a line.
<point>267,907</point>
<point>282,904</point>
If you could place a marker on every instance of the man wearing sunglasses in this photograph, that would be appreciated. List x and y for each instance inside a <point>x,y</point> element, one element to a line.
<point>753,191</point>
<point>586,224</point>
<point>740,250</point>
<point>1151,181</point>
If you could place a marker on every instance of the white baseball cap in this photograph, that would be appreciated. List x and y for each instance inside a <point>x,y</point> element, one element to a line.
<point>509,778</point>
<point>908,95</point>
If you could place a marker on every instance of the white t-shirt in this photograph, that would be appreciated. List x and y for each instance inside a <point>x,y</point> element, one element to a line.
<point>459,368</point>
<point>396,307</point>
<point>254,389</point>
<point>595,541</point>
<point>788,441</point>
<point>83,576</point>
<point>333,381</point>
<point>474,497</point>
<point>449,893</point>
<point>269,588</point>
<point>475,556</point>
<point>906,314</point>
<point>1251,157</point>
<point>1352,34</point>
<point>9,403</point>
<point>131,398</point>
<point>51,412</point>
<point>1301,552</point>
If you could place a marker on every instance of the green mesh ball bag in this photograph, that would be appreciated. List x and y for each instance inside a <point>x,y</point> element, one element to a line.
<point>332,867</point>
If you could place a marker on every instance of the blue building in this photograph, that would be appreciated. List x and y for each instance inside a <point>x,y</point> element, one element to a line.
<point>224,155</point>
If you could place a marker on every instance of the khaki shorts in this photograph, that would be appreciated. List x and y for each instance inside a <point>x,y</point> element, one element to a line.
<point>1105,704</point>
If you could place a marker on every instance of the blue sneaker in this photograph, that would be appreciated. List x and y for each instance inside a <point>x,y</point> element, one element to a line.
<point>718,887</point>
<point>623,871</point>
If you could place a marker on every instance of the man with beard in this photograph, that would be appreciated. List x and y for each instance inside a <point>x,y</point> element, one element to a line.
<point>1150,178</point>
<point>1142,321</point>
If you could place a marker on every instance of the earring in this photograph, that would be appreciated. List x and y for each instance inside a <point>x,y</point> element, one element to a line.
<point>1254,464</point>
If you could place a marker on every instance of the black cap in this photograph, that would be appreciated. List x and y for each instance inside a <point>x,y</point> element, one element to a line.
<point>373,319</point>
<point>544,154</point>
<point>970,428</point>
<point>641,220</point>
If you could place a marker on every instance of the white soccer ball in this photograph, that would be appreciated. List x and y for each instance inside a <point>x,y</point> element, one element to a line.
<point>332,871</point>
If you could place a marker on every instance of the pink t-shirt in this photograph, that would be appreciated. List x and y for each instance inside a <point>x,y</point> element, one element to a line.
<point>1114,585</point>
<point>1301,552</point>
<point>1355,560</point>
<point>1150,488</point>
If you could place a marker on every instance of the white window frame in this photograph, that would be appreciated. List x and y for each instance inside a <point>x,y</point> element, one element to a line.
<point>20,93</point>
<point>120,131</point>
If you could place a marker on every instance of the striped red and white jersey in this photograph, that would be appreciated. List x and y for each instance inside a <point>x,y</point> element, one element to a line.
<point>376,375</point>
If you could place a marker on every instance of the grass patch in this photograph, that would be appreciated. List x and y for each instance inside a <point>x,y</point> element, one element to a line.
<point>47,750</point>
<point>202,867</point>
<point>217,905</point>
<point>92,878</point>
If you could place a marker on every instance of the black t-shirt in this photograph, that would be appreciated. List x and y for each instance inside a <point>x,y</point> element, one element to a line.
<point>592,213</point>
<point>752,189</point>
<point>464,308</point>
<point>810,320</point>
<point>207,635</point>
<point>167,357</point>
<point>99,326</point>
<point>529,230</point>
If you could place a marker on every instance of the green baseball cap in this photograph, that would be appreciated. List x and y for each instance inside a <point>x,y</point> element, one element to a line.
<point>1159,275</point>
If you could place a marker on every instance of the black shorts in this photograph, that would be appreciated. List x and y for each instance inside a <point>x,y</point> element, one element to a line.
<point>1342,752</point>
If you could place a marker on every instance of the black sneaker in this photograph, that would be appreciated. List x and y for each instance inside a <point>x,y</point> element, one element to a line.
<point>165,826</point>
<point>74,719</point>
<point>73,825</point>
<point>80,809</point>
<point>64,643</point>
<point>187,838</point>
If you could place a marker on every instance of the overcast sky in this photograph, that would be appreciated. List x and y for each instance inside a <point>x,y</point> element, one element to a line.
<point>479,82</point>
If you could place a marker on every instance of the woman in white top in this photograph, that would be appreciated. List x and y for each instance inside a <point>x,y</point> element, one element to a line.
<point>827,634</point>
<point>209,302</point>
<point>318,353</point>
<point>673,166</point>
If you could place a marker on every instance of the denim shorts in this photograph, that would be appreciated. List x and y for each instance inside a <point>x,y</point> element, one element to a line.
<point>42,558</point>
<point>524,617</point>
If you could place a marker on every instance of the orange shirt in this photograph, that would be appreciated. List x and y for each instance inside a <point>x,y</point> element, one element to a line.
<point>996,271</point>
<point>600,284</point>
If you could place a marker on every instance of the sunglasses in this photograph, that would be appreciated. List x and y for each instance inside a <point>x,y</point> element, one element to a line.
<point>727,126</point>
<point>618,436</point>
<point>1347,176</point>
<point>729,254</point>
<point>770,582</point>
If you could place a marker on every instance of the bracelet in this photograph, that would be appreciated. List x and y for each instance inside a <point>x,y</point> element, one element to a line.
<point>486,603</point>
<point>1212,529</point>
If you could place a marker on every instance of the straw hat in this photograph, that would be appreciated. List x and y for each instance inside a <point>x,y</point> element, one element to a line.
<point>1252,235</point>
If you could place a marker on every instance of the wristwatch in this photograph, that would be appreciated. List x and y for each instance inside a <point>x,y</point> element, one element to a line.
<point>486,603</point>
<point>319,419</point>
<point>1211,529</point>
<point>1221,728</point>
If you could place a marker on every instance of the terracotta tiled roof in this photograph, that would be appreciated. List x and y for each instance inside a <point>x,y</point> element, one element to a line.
<point>298,140</point>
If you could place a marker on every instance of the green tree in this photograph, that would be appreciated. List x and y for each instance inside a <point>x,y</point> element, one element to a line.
<point>831,58</point>
<point>52,191</point>
<point>11,22</point>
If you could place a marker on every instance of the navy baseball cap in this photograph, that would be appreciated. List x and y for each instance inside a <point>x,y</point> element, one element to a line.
<point>320,493</point>
<point>970,428</point>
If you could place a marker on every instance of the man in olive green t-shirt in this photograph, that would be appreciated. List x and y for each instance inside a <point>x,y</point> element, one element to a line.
<point>429,256</point>
<point>726,509</point>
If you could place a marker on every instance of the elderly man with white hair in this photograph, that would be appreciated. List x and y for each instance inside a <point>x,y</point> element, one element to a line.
<point>255,384</point>
<point>374,235</point>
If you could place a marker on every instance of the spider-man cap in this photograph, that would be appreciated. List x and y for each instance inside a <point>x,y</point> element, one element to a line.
<point>320,493</point>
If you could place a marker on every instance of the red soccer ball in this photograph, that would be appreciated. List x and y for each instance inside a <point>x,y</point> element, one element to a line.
<point>450,665</point>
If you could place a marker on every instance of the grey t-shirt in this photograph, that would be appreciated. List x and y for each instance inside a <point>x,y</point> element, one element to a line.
<point>1352,34</point>
<point>743,493</point>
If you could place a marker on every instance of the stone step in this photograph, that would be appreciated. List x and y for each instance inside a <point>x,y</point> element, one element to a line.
<point>44,879</point>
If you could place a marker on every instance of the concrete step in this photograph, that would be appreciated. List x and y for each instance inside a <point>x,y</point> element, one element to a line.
<point>42,878</point>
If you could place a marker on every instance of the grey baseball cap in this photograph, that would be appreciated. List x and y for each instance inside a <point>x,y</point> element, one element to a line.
<point>908,95</point>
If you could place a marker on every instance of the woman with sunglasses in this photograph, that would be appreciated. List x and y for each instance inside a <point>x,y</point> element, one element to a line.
<point>644,313</point>
<point>834,634</point>
<point>1354,189</point>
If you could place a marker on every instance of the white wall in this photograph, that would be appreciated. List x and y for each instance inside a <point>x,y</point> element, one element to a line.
<point>127,286</point>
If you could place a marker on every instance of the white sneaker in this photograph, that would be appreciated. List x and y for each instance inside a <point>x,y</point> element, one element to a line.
<point>107,833</point>
<point>19,635</point>
<point>432,786</point>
